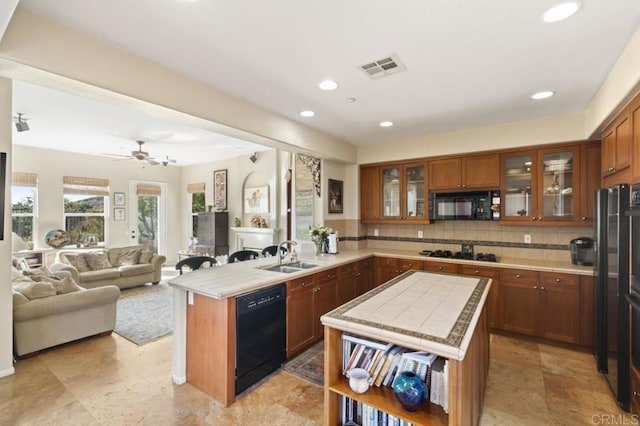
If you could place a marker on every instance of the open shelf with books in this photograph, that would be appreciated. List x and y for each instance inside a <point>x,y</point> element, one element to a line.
<point>465,378</point>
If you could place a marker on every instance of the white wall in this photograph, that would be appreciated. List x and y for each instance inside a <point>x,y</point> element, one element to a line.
<point>6,305</point>
<point>52,165</point>
<point>241,172</point>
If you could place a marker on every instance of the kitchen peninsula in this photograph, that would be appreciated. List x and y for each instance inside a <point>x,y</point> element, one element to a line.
<point>204,303</point>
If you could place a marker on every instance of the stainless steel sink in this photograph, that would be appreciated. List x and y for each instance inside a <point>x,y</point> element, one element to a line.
<point>302,265</point>
<point>281,268</point>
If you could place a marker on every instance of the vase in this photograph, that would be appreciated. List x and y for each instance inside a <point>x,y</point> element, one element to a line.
<point>410,391</point>
<point>319,247</point>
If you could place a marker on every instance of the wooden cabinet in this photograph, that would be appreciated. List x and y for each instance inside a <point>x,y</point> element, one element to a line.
<point>437,266</point>
<point>547,186</point>
<point>589,180</point>
<point>394,192</point>
<point>386,268</point>
<point>494,294</point>
<point>347,277</point>
<point>465,173</point>
<point>300,320</point>
<point>519,301</point>
<point>370,194</point>
<point>587,314</point>
<point>634,116</point>
<point>324,300</point>
<point>617,149</point>
<point>364,276</point>
<point>635,391</point>
<point>542,304</point>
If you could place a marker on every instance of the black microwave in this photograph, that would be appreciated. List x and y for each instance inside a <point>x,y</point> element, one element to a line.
<point>477,205</point>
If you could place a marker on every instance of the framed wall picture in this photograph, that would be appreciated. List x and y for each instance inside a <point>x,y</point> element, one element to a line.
<point>256,200</point>
<point>91,240</point>
<point>336,188</point>
<point>220,189</point>
<point>118,213</point>
<point>118,199</point>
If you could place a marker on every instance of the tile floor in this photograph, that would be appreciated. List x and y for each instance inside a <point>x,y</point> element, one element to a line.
<point>111,381</point>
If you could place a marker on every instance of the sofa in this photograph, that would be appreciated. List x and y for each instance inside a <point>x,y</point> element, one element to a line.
<point>123,267</point>
<point>52,310</point>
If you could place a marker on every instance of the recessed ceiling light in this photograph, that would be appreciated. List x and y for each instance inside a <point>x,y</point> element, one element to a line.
<point>328,85</point>
<point>561,11</point>
<point>543,95</point>
<point>386,123</point>
<point>307,113</point>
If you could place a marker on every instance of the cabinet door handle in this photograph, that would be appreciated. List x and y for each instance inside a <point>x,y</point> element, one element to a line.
<point>534,218</point>
<point>583,218</point>
<point>303,284</point>
<point>477,272</point>
<point>540,217</point>
<point>517,275</point>
<point>440,268</point>
<point>464,186</point>
<point>557,280</point>
<point>611,169</point>
<point>542,288</point>
<point>458,185</point>
<point>635,393</point>
<point>535,287</point>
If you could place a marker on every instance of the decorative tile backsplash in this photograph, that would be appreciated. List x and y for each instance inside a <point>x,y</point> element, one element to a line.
<point>548,243</point>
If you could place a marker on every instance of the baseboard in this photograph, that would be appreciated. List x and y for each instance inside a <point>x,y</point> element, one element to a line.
<point>179,380</point>
<point>7,372</point>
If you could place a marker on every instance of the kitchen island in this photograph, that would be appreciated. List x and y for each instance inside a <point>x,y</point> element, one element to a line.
<point>438,313</point>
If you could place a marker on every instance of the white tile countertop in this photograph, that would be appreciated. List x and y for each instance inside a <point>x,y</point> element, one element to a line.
<point>242,277</point>
<point>425,311</point>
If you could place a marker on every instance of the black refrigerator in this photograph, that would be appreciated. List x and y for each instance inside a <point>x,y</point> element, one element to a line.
<point>611,270</point>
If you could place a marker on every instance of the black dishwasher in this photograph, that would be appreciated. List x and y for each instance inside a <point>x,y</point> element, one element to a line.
<point>261,337</point>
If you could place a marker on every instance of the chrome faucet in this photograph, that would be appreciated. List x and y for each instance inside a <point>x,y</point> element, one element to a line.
<point>280,254</point>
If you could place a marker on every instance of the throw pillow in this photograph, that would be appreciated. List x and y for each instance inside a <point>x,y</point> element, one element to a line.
<point>62,285</point>
<point>15,273</point>
<point>78,261</point>
<point>34,290</point>
<point>97,260</point>
<point>129,257</point>
<point>37,273</point>
<point>145,257</point>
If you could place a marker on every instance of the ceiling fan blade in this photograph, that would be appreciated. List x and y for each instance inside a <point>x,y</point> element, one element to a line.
<point>117,155</point>
<point>152,161</point>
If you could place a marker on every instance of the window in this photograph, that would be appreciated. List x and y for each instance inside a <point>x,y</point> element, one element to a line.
<point>84,207</point>
<point>24,204</point>
<point>197,199</point>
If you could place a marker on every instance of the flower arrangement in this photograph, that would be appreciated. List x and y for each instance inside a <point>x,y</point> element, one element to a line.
<point>258,222</point>
<point>319,233</point>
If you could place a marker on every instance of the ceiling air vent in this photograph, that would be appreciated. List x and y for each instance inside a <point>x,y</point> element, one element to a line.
<point>383,67</point>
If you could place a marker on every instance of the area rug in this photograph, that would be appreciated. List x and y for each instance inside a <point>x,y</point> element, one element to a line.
<point>145,313</point>
<point>309,365</point>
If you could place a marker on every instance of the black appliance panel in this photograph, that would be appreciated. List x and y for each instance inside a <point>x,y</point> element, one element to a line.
<point>478,205</point>
<point>261,338</point>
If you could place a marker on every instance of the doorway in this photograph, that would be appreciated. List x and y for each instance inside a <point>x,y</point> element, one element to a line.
<point>147,215</point>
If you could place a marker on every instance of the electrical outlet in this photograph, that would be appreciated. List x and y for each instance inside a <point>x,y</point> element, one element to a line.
<point>527,238</point>
<point>375,232</point>
<point>420,234</point>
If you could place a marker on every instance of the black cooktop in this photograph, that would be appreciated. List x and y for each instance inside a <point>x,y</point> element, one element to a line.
<point>484,257</point>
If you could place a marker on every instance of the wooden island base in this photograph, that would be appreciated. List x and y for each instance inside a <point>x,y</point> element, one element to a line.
<point>467,382</point>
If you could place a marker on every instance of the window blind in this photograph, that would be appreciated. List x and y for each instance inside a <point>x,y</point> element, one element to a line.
<point>24,179</point>
<point>85,185</point>
<point>193,188</point>
<point>148,189</point>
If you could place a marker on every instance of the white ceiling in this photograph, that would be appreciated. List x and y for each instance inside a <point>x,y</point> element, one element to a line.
<point>67,122</point>
<point>469,63</point>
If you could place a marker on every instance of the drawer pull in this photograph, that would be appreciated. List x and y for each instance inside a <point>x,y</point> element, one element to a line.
<point>557,280</point>
<point>477,272</point>
<point>440,268</point>
<point>542,288</point>
<point>517,275</point>
<point>535,287</point>
<point>303,284</point>
<point>635,393</point>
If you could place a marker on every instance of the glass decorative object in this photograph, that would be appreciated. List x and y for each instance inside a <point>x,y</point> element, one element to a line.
<point>410,391</point>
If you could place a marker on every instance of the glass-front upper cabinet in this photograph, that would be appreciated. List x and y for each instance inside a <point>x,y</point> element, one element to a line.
<point>538,186</point>
<point>391,191</point>
<point>557,185</point>
<point>404,192</point>
<point>415,193</point>
<point>518,178</point>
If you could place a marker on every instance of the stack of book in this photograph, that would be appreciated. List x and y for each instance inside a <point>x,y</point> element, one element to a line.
<point>384,361</point>
<point>354,412</point>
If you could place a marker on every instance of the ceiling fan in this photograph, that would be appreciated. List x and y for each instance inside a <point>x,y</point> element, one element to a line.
<point>141,155</point>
